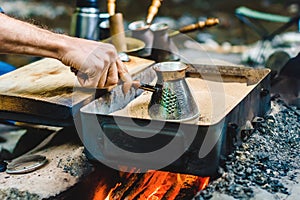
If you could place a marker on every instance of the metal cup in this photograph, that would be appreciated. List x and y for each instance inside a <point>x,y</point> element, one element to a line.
<point>163,48</point>
<point>173,100</point>
<point>84,23</point>
<point>140,30</point>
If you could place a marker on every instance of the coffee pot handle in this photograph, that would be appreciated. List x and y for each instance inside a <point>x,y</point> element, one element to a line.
<point>149,88</point>
<point>153,10</point>
<point>199,25</point>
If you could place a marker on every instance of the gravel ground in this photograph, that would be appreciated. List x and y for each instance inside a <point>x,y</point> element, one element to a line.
<point>267,165</point>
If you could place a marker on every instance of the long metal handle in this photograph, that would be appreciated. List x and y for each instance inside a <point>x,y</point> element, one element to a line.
<point>149,88</point>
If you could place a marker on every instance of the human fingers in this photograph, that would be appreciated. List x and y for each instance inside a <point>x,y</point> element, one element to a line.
<point>112,76</point>
<point>122,69</point>
<point>124,76</point>
<point>103,77</point>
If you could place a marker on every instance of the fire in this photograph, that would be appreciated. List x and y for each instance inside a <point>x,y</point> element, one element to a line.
<point>101,192</point>
<point>153,185</point>
<point>204,183</point>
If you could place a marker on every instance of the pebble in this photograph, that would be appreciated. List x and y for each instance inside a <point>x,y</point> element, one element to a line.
<point>270,153</point>
<point>3,166</point>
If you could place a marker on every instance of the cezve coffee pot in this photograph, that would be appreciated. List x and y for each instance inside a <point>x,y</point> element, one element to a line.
<point>172,100</point>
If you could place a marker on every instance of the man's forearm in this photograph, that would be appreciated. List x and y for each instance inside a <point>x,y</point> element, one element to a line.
<point>23,38</point>
<point>97,63</point>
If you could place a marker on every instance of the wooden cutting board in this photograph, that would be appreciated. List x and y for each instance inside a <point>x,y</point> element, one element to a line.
<point>42,92</point>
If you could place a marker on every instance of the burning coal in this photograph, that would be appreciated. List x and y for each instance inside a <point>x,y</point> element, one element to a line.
<point>153,185</point>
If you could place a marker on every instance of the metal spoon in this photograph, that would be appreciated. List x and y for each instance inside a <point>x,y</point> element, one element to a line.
<point>124,57</point>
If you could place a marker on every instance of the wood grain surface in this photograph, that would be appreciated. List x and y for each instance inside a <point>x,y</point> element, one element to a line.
<point>46,88</point>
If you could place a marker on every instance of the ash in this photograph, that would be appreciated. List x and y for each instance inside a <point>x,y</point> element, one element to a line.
<point>265,161</point>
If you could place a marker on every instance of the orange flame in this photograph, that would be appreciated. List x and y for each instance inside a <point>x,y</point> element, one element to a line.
<point>100,192</point>
<point>204,182</point>
<point>153,185</point>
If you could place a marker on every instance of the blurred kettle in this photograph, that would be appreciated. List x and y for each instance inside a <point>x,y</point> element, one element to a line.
<point>85,20</point>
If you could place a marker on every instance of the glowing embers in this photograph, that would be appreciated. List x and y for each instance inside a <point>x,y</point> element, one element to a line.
<point>153,185</point>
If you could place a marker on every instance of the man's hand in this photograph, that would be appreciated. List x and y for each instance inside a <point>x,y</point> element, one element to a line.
<point>97,63</point>
<point>125,77</point>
